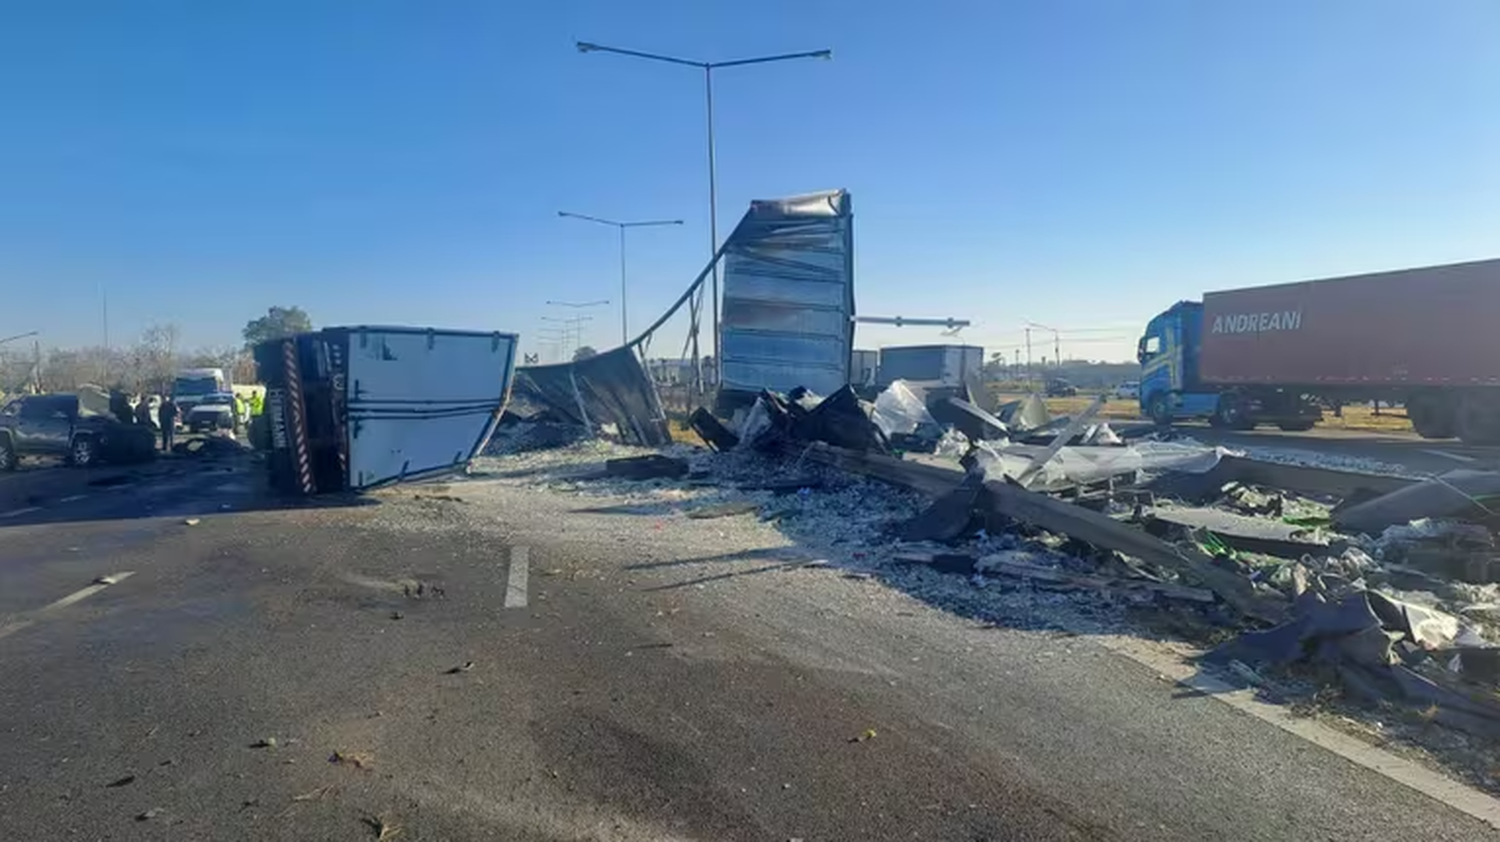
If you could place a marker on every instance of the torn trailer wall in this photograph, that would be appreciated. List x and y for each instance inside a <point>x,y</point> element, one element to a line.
<point>610,390</point>
<point>788,298</point>
<point>787,322</point>
<point>353,408</point>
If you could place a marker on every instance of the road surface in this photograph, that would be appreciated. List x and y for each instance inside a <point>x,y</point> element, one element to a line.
<point>489,661</point>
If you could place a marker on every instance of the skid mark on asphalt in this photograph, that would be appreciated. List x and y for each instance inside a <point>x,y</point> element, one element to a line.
<point>516,578</point>
<point>79,595</point>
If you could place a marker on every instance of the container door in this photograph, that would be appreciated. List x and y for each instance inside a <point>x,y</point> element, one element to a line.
<point>422,402</point>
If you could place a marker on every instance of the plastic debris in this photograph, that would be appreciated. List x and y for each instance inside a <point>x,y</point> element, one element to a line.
<point>898,410</point>
<point>464,667</point>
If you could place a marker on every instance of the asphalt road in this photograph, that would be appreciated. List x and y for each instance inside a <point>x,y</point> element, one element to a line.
<point>489,662</point>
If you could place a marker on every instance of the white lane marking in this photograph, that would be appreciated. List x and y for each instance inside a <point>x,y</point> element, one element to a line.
<point>18,512</point>
<point>1457,457</point>
<point>73,498</point>
<point>99,585</point>
<point>515,583</point>
<point>12,626</point>
<point>1438,787</point>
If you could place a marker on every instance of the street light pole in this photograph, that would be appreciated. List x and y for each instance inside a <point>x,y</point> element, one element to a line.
<point>624,323</point>
<point>713,182</point>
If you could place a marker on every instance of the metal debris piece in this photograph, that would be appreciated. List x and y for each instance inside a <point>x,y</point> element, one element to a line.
<point>358,759</point>
<point>383,828</point>
<point>651,466</point>
<point>464,667</point>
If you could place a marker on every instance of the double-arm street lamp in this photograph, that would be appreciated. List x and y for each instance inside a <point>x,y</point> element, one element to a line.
<point>624,324</point>
<point>708,68</point>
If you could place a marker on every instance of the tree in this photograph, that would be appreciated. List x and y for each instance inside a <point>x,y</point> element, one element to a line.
<point>154,359</point>
<point>584,352</point>
<point>276,323</point>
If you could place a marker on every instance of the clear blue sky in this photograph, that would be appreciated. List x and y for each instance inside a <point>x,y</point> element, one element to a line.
<point>1080,164</point>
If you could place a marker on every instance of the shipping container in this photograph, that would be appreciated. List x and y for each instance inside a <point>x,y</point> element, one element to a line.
<point>940,365</point>
<point>355,408</point>
<point>1433,326</point>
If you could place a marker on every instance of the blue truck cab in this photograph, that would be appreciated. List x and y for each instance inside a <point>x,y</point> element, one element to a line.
<point>1168,354</point>
<point>1172,387</point>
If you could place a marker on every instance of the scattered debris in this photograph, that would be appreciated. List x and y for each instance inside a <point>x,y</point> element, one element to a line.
<point>192,521</point>
<point>464,667</point>
<point>358,759</point>
<point>1384,584</point>
<point>314,795</point>
<point>724,510</point>
<point>149,814</point>
<point>382,827</point>
<point>266,742</point>
<point>119,782</point>
<point>712,431</point>
<point>865,736</point>
<point>649,467</point>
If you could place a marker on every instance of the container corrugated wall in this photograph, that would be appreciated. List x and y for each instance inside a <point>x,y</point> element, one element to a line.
<point>789,296</point>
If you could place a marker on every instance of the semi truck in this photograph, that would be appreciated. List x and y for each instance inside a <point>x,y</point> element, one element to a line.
<point>356,408</point>
<point>1424,338</point>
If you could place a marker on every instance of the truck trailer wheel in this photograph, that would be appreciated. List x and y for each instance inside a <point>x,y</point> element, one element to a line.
<point>8,457</point>
<point>1479,417</point>
<point>1230,414</point>
<point>1160,409</point>
<point>1431,416</point>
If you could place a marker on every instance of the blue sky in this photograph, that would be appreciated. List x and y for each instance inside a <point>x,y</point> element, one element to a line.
<point>1078,163</point>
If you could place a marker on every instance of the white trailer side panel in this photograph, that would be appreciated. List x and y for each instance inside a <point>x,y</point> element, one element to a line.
<point>422,402</point>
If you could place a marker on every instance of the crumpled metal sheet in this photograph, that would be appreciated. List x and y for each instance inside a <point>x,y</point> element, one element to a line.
<point>789,296</point>
<point>610,389</point>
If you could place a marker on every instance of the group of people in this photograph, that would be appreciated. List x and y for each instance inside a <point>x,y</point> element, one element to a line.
<point>167,414</point>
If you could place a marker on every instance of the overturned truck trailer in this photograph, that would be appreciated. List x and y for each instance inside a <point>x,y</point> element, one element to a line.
<point>354,408</point>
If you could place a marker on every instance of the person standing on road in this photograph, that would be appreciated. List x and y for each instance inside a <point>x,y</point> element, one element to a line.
<point>166,415</point>
<point>143,411</point>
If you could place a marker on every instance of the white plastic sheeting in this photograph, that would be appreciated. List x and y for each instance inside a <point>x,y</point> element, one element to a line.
<point>898,410</point>
<point>1080,465</point>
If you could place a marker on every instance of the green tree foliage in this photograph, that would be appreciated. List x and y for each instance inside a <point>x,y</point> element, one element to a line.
<point>276,323</point>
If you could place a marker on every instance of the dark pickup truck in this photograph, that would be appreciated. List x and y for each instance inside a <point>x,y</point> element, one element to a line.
<point>60,425</point>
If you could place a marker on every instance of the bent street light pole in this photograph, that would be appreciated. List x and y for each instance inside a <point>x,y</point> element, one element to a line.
<point>624,322</point>
<point>713,184</point>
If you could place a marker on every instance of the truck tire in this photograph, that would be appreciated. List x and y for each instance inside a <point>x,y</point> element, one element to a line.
<point>1230,414</point>
<point>1478,418</point>
<point>8,457</point>
<point>1160,409</point>
<point>1432,416</point>
<point>83,452</point>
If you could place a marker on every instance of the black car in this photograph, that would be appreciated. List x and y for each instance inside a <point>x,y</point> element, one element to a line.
<point>60,425</point>
<point>1057,387</point>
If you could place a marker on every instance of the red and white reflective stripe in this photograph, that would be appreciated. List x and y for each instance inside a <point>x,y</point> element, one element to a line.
<point>299,415</point>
